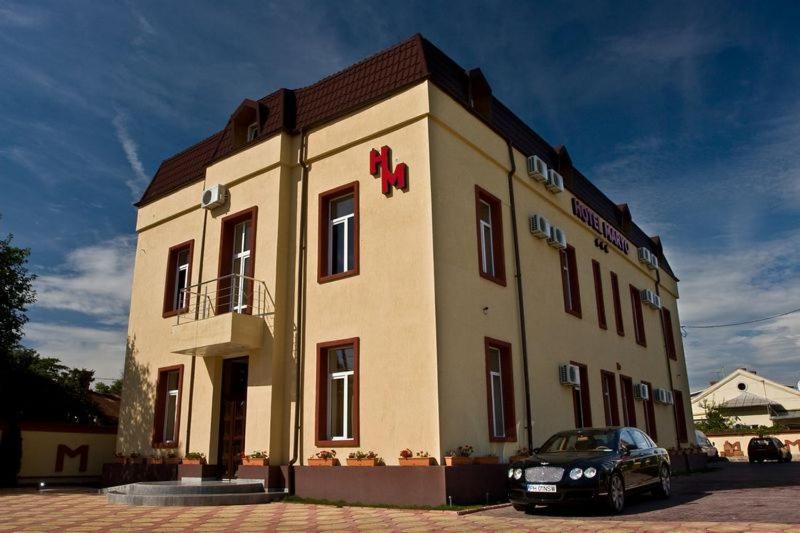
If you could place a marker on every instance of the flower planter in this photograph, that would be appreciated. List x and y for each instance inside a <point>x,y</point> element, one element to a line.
<point>193,461</point>
<point>172,460</point>
<point>155,460</point>
<point>323,462</point>
<point>260,461</point>
<point>121,460</point>
<point>362,462</point>
<point>457,461</point>
<point>517,458</point>
<point>417,461</point>
<point>487,460</point>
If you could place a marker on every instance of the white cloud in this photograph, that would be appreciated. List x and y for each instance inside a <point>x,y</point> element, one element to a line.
<point>94,280</point>
<point>21,16</point>
<point>131,150</point>
<point>84,347</point>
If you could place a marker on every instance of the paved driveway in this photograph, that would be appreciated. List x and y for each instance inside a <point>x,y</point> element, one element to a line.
<point>734,492</point>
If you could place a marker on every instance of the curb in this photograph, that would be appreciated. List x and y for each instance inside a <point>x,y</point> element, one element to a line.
<point>484,508</point>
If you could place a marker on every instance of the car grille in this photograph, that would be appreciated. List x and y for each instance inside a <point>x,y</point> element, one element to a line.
<point>544,474</point>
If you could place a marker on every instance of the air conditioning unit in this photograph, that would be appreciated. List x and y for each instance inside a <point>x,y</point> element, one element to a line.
<point>645,256</point>
<point>653,261</point>
<point>537,169</point>
<point>569,375</point>
<point>540,226</point>
<point>555,183</point>
<point>663,396</point>
<point>557,238</point>
<point>669,397</point>
<point>650,298</point>
<point>641,392</point>
<point>213,197</point>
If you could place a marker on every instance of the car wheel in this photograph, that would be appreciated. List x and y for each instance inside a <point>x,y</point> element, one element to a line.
<point>616,494</point>
<point>664,487</point>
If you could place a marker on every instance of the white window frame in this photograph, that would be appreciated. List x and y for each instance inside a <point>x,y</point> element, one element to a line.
<point>568,286</point>
<point>487,253</point>
<point>345,221</point>
<point>332,377</point>
<point>179,297</point>
<point>239,283</point>
<point>497,395</point>
<point>252,131</point>
<point>170,393</point>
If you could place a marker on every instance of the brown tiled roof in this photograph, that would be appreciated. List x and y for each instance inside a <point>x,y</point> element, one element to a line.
<point>376,78</point>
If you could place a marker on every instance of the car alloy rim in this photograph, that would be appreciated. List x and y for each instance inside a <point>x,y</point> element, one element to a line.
<point>617,493</point>
<point>665,481</point>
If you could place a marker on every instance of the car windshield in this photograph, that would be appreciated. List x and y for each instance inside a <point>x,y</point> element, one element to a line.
<point>600,441</point>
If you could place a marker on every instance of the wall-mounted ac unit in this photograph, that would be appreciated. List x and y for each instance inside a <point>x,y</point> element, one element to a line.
<point>557,238</point>
<point>653,261</point>
<point>213,196</point>
<point>641,392</point>
<point>569,375</point>
<point>645,256</point>
<point>540,226</point>
<point>663,396</point>
<point>537,169</point>
<point>555,183</point>
<point>650,298</point>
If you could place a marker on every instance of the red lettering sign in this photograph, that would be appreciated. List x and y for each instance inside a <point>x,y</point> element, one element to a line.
<point>382,161</point>
<point>591,219</point>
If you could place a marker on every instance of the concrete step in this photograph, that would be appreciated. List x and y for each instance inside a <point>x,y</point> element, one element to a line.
<point>153,488</point>
<point>242,498</point>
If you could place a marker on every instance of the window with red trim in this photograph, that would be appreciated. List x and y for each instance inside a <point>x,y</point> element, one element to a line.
<point>650,413</point>
<point>638,317</point>
<point>628,404</point>
<point>581,402</point>
<point>237,257</point>
<point>609,389</point>
<point>669,336</point>
<point>166,421</point>
<point>179,276</point>
<point>500,391</point>
<point>569,282</point>
<point>489,224</point>
<point>617,305</point>
<point>598,294</point>
<point>680,416</point>
<point>337,421</point>
<point>338,233</point>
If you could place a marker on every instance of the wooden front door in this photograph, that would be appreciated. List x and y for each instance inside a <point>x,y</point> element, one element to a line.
<point>232,415</point>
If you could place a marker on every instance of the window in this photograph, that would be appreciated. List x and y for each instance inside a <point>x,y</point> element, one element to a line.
<point>337,393</point>
<point>641,440</point>
<point>610,408</point>
<point>650,413</point>
<point>500,391</point>
<point>626,438</point>
<point>569,280</point>
<point>617,305</point>
<point>669,336</point>
<point>580,400</point>
<point>638,318</point>
<point>489,220</point>
<point>252,131</point>
<point>598,294</point>
<point>237,262</point>
<point>338,233</point>
<point>168,407</point>
<point>680,416</point>
<point>179,271</point>
<point>628,405</point>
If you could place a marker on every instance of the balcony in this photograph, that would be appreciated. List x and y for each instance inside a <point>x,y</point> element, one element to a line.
<point>225,316</point>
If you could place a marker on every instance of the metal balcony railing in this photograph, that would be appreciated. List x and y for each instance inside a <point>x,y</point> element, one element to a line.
<point>229,294</point>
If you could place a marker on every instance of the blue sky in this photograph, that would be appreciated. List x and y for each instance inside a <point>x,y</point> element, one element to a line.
<point>690,112</point>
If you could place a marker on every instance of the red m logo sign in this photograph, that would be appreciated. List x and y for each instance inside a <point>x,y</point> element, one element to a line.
<point>383,160</point>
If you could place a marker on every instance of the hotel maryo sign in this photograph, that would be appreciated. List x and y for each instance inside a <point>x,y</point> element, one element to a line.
<point>606,230</point>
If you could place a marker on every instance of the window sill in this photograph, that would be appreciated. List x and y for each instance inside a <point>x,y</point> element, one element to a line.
<point>576,314</point>
<point>349,443</point>
<point>620,333</point>
<point>174,312</point>
<point>642,344</point>
<point>335,277</point>
<point>499,280</point>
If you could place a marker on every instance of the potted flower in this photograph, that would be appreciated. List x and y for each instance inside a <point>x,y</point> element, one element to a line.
<point>194,458</point>
<point>359,458</point>
<point>256,459</point>
<point>489,459</point>
<point>324,458</point>
<point>172,459</point>
<point>408,458</point>
<point>459,456</point>
<point>155,460</point>
<point>520,455</point>
<point>135,458</point>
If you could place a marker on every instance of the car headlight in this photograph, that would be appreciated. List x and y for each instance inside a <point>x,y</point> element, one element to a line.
<point>590,472</point>
<point>518,473</point>
<point>510,472</point>
<point>575,474</point>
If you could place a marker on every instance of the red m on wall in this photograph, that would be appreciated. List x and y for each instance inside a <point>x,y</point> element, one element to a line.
<point>64,450</point>
<point>383,160</point>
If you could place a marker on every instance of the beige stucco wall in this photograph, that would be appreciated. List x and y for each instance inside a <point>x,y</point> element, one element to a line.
<point>790,438</point>
<point>40,452</point>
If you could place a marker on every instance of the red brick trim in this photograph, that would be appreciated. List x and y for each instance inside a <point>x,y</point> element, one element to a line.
<point>584,403</point>
<point>497,235</point>
<point>169,285</point>
<point>507,376</point>
<point>321,415</point>
<point>638,317</point>
<point>158,418</point>
<point>612,417</point>
<point>322,232</point>
<point>569,282</point>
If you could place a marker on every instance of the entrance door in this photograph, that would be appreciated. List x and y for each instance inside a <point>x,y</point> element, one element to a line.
<point>232,415</point>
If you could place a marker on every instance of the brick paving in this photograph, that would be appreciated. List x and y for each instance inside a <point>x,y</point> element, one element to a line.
<point>757,501</point>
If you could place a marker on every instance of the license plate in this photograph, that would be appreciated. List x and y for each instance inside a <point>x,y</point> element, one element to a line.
<point>532,487</point>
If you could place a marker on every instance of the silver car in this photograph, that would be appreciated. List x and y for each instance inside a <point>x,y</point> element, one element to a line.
<point>706,445</point>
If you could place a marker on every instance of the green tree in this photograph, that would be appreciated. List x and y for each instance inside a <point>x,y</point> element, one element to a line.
<point>16,293</point>
<point>114,388</point>
<point>715,419</point>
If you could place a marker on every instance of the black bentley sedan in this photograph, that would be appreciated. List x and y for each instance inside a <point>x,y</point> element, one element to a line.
<point>590,465</point>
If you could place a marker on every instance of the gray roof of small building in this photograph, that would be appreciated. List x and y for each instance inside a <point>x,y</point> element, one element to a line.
<point>748,399</point>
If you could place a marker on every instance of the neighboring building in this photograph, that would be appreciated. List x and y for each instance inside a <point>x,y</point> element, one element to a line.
<point>750,399</point>
<point>385,188</point>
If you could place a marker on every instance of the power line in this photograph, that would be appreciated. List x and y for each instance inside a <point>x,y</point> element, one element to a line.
<point>741,323</point>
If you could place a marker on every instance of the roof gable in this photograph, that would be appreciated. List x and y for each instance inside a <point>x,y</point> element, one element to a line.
<point>745,376</point>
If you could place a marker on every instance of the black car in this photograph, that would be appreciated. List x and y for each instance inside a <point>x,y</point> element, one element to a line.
<point>760,449</point>
<point>590,465</point>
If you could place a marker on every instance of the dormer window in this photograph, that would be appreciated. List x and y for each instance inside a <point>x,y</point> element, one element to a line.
<point>252,131</point>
